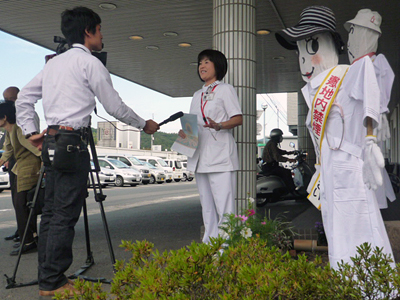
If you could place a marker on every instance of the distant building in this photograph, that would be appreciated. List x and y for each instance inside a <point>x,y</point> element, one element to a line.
<point>292,119</point>
<point>109,136</point>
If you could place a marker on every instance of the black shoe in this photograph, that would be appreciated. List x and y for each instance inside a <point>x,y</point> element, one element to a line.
<point>16,239</point>
<point>25,249</point>
<point>10,237</point>
<point>16,245</point>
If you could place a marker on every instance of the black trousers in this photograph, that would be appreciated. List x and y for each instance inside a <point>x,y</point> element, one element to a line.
<point>11,163</point>
<point>64,197</point>
<point>283,173</point>
<point>22,211</point>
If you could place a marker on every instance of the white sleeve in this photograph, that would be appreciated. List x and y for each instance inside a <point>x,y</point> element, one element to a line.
<point>25,104</point>
<point>385,78</point>
<point>100,82</point>
<point>363,86</point>
<point>231,101</point>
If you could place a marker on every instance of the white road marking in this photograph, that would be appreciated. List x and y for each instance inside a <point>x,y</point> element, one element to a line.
<point>11,224</point>
<point>143,203</point>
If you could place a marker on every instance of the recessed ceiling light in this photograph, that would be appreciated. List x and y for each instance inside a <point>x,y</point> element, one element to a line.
<point>278,58</point>
<point>107,6</point>
<point>151,47</point>
<point>170,33</point>
<point>263,31</point>
<point>136,37</point>
<point>185,45</point>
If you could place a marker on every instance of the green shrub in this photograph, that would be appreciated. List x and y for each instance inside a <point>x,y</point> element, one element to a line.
<point>248,270</point>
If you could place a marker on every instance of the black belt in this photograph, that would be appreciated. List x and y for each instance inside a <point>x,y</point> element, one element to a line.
<point>53,129</point>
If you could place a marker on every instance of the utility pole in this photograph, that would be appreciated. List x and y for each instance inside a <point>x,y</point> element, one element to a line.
<point>264,106</point>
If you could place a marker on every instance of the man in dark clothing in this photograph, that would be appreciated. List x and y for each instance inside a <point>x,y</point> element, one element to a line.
<point>272,156</point>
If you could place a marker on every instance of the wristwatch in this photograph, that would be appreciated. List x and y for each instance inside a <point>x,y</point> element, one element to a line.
<point>30,134</point>
<point>219,126</point>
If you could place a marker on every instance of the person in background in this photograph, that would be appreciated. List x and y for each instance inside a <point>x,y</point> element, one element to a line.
<point>68,85</point>
<point>10,94</point>
<point>215,159</point>
<point>272,156</point>
<point>26,170</point>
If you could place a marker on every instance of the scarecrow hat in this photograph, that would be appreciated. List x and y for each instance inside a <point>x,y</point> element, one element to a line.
<point>366,18</point>
<point>313,20</point>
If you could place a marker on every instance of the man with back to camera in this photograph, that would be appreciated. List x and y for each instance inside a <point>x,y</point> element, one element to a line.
<point>68,85</point>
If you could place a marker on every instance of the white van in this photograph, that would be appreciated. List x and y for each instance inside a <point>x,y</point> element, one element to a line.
<point>132,162</point>
<point>177,169</point>
<point>159,163</point>
<point>188,174</point>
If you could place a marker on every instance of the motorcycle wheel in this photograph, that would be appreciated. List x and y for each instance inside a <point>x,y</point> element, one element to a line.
<point>262,200</point>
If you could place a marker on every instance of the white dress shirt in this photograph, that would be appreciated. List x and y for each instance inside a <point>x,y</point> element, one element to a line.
<point>68,85</point>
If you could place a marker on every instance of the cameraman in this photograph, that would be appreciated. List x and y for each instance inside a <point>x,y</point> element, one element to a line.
<point>272,156</point>
<point>68,85</point>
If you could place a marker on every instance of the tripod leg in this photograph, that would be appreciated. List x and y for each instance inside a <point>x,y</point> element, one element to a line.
<point>89,258</point>
<point>100,197</point>
<point>11,281</point>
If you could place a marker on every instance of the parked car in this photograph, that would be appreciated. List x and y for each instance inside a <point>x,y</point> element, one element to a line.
<point>124,174</point>
<point>4,179</point>
<point>157,174</point>
<point>159,163</point>
<point>132,162</point>
<point>189,175</point>
<point>176,168</point>
<point>106,176</point>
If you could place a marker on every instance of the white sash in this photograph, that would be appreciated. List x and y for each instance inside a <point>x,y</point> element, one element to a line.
<point>321,105</point>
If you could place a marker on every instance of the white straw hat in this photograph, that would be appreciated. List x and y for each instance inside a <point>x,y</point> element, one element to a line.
<point>366,18</point>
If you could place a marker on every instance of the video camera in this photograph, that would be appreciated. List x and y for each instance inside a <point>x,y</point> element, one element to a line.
<point>63,46</point>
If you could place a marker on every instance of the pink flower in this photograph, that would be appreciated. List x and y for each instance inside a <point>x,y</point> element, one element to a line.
<point>263,223</point>
<point>251,212</point>
<point>243,218</point>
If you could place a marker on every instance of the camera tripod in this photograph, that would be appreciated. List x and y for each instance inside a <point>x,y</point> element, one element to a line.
<point>99,198</point>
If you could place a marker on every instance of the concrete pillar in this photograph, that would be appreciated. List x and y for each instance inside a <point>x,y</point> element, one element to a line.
<point>234,34</point>
<point>304,139</point>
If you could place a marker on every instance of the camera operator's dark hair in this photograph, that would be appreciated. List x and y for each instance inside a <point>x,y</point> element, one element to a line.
<point>219,60</point>
<point>75,21</point>
<point>7,109</point>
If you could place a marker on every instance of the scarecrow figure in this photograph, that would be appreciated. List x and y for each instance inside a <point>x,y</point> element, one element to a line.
<point>364,32</point>
<point>343,110</point>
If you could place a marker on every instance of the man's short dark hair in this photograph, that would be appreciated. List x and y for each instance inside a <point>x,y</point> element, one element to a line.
<point>7,109</point>
<point>75,21</point>
<point>219,60</point>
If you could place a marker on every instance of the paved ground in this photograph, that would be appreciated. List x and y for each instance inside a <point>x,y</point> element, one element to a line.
<point>171,224</point>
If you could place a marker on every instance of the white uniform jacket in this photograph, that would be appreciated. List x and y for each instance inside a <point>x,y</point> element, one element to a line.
<point>219,154</point>
<point>349,209</point>
<point>385,78</point>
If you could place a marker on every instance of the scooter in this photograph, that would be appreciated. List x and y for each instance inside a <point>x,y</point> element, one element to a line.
<point>271,188</point>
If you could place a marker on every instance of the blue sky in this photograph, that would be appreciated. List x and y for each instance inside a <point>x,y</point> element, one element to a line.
<point>20,61</point>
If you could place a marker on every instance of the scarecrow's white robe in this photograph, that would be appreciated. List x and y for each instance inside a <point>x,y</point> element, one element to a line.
<point>349,209</point>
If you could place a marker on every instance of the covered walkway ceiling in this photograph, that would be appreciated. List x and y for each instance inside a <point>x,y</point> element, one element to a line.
<point>169,69</point>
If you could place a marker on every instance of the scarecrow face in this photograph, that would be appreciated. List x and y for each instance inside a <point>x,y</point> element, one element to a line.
<point>361,41</point>
<point>316,54</point>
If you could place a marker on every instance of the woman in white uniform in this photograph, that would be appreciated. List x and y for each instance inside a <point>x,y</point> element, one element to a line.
<point>215,159</point>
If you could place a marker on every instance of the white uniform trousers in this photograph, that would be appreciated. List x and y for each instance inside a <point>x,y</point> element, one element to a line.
<point>217,196</point>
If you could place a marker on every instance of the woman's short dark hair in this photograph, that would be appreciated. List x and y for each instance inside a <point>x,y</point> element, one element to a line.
<point>75,21</point>
<point>7,109</point>
<point>219,60</point>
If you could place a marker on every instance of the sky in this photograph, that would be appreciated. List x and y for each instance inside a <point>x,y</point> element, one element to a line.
<point>20,61</point>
